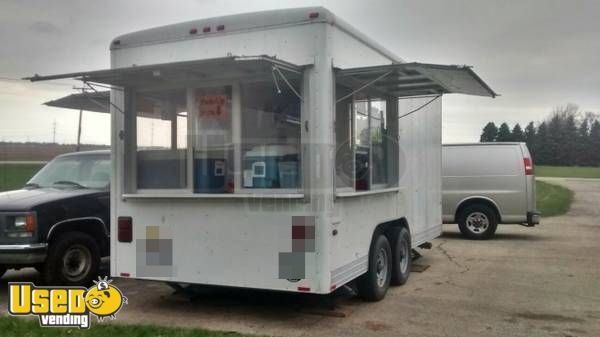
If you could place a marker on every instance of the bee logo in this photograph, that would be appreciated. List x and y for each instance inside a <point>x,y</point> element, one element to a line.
<point>104,299</point>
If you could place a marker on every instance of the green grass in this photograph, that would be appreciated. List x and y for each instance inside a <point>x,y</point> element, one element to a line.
<point>13,326</point>
<point>14,176</point>
<point>552,200</point>
<point>567,171</point>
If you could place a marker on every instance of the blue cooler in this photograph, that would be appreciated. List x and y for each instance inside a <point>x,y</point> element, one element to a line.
<point>271,166</point>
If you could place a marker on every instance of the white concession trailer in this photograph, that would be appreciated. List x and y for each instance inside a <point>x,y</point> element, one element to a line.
<point>277,150</point>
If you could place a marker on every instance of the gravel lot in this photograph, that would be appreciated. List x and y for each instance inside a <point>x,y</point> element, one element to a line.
<point>542,281</point>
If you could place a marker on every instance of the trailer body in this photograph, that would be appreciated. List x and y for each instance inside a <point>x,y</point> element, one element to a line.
<point>276,146</point>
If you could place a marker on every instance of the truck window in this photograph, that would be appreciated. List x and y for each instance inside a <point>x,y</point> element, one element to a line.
<point>88,171</point>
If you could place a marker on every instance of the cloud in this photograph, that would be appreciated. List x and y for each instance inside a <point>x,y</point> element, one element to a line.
<point>45,27</point>
<point>536,53</point>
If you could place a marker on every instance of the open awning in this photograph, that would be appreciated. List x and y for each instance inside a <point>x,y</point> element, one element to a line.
<point>233,67</point>
<point>413,79</point>
<point>89,101</point>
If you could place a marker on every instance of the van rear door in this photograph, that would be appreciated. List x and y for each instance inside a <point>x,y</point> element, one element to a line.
<point>528,166</point>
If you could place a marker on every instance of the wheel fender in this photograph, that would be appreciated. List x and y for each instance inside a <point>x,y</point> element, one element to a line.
<point>97,222</point>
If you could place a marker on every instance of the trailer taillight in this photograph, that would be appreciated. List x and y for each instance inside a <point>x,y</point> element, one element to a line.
<point>206,29</point>
<point>528,166</point>
<point>125,231</point>
<point>313,15</point>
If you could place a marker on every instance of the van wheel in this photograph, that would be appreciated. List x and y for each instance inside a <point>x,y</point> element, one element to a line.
<point>478,222</point>
<point>373,285</point>
<point>401,257</point>
<point>73,259</point>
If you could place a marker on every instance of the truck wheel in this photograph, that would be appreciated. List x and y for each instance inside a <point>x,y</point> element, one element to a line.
<point>73,259</point>
<point>401,257</point>
<point>478,222</point>
<point>373,285</point>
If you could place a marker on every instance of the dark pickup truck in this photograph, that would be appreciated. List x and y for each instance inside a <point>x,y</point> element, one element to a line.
<point>59,221</point>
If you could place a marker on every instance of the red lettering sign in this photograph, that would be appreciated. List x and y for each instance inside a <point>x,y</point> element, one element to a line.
<point>213,106</point>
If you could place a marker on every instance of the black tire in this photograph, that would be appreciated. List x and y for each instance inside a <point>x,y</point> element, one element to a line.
<point>401,257</point>
<point>478,222</point>
<point>73,259</point>
<point>2,271</point>
<point>373,285</point>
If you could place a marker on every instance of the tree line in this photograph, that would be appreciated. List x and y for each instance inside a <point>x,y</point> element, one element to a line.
<point>567,137</point>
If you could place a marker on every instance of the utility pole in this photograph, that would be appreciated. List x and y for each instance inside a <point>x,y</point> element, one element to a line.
<point>54,132</point>
<point>79,125</point>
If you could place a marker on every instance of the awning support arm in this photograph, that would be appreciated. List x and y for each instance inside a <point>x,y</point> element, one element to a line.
<point>109,102</point>
<point>364,86</point>
<point>276,69</point>
<point>421,107</point>
<point>111,87</point>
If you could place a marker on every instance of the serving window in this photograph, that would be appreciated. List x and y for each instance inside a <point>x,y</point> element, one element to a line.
<point>366,142</point>
<point>270,142</point>
<point>213,148</point>
<point>240,137</point>
<point>160,126</point>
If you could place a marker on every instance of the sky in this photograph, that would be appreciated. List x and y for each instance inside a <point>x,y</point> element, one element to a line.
<point>538,54</point>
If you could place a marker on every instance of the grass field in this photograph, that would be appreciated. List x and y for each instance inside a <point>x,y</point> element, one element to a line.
<point>12,326</point>
<point>15,175</point>
<point>552,200</point>
<point>567,171</point>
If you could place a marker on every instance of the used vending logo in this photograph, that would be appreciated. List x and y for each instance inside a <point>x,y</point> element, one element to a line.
<point>65,306</point>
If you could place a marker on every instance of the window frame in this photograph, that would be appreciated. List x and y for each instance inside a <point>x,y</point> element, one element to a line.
<point>238,154</point>
<point>392,154</point>
<point>130,146</point>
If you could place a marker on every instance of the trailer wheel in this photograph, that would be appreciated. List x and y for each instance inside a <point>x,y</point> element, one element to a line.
<point>73,259</point>
<point>478,222</point>
<point>401,257</point>
<point>373,285</point>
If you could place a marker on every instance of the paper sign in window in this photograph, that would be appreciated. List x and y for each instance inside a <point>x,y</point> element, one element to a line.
<point>213,107</point>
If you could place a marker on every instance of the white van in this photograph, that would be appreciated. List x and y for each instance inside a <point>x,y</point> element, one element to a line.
<point>486,184</point>
<point>270,150</point>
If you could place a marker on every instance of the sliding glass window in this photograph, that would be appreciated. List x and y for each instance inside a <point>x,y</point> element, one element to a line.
<point>366,143</point>
<point>232,138</point>
<point>160,127</point>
